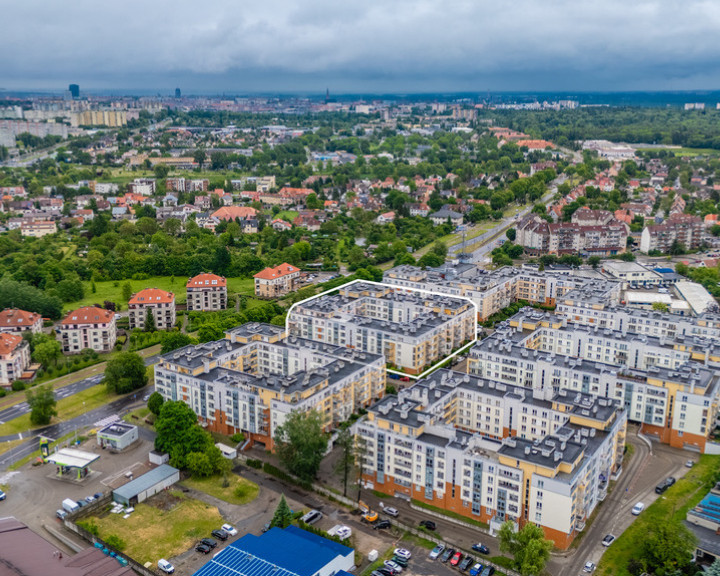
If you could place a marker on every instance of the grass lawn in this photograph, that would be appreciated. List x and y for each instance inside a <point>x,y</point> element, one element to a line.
<point>285,215</point>
<point>112,289</point>
<point>450,514</point>
<point>683,151</point>
<point>241,491</point>
<point>672,506</point>
<point>9,445</point>
<point>153,532</point>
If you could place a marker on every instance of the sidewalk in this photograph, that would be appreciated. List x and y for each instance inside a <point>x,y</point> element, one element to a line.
<point>90,371</point>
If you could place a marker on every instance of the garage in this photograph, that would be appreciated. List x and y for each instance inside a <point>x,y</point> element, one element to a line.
<point>146,485</point>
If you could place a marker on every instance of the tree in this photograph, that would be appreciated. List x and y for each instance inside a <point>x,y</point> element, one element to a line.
<point>594,261</point>
<point>283,515</point>
<point>174,340</point>
<point>178,433</point>
<point>528,546</point>
<point>511,234</point>
<point>345,464</point>
<point>209,332</point>
<point>46,352</point>
<point>127,291</point>
<point>660,306</point>
<point>155,403</point>
<point>300,443</point>
<point>149,321</point>
<point>714,569</point>
<point>199,157</point>
<point>42,405</point>
<point>125,372</point>
<point>666,547</point>
<point>676,248</point>
<point>199,465</point>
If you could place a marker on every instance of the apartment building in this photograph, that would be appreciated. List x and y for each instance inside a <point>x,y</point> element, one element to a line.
<point>491,291</point>
<point>254,378</point>
<point>14,320</point>
<point>14,357</point>
<point>206,292</point>
<point>684,229</point>
<point>38,228</point>
<point>160,302</point>
<point>88,327</point>
<point>494,452</point>
<point>413,330</point>
<point>276,282</point>
<point>670,387</point>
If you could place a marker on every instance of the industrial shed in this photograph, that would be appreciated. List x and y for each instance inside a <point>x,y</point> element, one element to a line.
<point>117,436</point>
<point>146,485</point>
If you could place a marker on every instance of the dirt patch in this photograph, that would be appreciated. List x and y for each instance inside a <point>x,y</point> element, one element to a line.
<point>166,501</point>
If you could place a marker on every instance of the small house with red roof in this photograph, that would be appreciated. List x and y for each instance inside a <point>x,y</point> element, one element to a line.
<point>19,321</point>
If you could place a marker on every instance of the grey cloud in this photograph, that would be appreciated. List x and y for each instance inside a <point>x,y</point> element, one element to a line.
<point>397,45</point>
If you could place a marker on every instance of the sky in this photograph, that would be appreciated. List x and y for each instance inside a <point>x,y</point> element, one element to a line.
<point>365,46</point>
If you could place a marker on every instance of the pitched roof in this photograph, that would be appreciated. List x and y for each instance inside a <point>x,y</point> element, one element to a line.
<point>152,296</point>
<point>278,272</point>
<point>206,280</point>
<point>88,315</point>
<point>12,317</point>
<point>8,342</point>
<point>232,212</point>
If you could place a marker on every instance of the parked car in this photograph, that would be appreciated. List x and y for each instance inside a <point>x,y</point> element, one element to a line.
<point>475,570</point>
<point>390,511</point>
<point>609,539</point>
<point>229,529</point>
<point>165,566</point>
<point>589,567</point>
<point>2,495</point>
<point>385,572</point>
<point>266,527</point>
<point>312,517</point>
<point>343,532</point>
<point>382,525</point>
<point>402,562</point>
<point>466,563</point>
<point>455,560</point>
<point>61,514</point>
<point>664,485</point>
<point>429,524</point>
<point>481,548</point>
<point>220,534</point>
<point>98,495</point>
<point>90,499</point>
<point>403,553</point>
<point>204,548</point>
<point>82,503</point>
<point>639,507</point>
<point>488,571</point>
<point>447,554</point>
<point>435,552</point>
<point>689,464</point>
<point>377,573</point>
<point>392,566</point>
<point>209,542</point>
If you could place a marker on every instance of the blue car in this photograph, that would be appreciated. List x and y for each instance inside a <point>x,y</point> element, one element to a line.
<point>475,570</point>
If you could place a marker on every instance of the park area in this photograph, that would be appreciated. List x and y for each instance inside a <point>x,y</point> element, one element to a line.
<point>166,525</point>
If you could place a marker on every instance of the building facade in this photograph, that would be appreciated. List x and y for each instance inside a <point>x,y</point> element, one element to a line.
<point>684,229</point>
<point>413,330</point>
<point>14,357</point>
<point>14,320</point>
<point>254,378</point>
<point>88,327</point>
<point>206,292</point>
<point>160,302</point>
<point>276,282</point>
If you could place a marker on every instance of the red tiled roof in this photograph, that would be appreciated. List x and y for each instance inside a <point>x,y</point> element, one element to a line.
<point>8,342</point>
<point>152,296</point>
<point>279,271</point>
<point>88,315</point>
<point>206,280</point>
<point>13,317</point>
<point>232,212</point>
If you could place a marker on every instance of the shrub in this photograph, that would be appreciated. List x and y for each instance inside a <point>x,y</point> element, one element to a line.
<point>90,526</point>
<point>115,542</point>
<point>17,386</point>
<point>257,464</point>
<point>241,490</point>
<point>237,437</point>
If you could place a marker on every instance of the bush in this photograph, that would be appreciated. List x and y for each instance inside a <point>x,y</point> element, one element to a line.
<point>241,490</point>
<point>17,386</point>
<point>115,542</point>
<point>257,464</point>
<point>90,526</point>
<point>2,392</point>
<point>237,437</point>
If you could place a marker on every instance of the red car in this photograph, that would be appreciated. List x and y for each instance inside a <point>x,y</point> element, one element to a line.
<point>456,559</point>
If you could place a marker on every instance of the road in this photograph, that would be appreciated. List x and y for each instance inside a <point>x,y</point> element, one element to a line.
<point>19,409</point>
<point>62,428</point>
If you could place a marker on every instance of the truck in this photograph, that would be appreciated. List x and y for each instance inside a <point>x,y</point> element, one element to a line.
<point>70,505</point>
<point>367,514</point>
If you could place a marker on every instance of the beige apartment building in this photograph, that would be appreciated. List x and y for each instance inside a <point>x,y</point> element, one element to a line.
<point>160,302</point>
<point>206,292</point>
<point>88,327</point>
<point>276,282</point>
<point>14,357</point>
<point>14,320</point>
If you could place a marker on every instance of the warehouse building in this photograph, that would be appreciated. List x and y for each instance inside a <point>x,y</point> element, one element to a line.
<point>147,485</point>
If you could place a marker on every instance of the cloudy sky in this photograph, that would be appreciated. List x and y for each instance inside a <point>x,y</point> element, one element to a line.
<point>360,46</point>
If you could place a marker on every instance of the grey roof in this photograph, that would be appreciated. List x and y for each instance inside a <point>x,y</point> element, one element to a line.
<point>445,213</point>
<point>147,480</point>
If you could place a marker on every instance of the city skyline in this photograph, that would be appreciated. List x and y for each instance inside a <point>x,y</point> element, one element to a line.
<point>409,47</point>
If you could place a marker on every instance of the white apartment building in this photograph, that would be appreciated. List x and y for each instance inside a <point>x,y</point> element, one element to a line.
<point>550,464</point>
<point>250,381</point>
<point>88,327</point>
<point>160,302</point>
<point>413,330</point>
<point>14,358</point>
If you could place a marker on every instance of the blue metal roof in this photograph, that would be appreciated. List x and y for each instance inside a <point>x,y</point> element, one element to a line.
<point>709,508</point>
<point>289,552</point>
<point>142,483</point>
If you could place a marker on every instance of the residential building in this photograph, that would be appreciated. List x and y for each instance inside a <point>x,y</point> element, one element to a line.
<point>38,228</point>
<point>495,453</point>
<point>413,330</point>
<point>14,357</point>
<point>88,327</point>
<point>289,552</point>
<point>206,292</point>
<point>251,381</point>
<point>443,215</point>
<point>632,274</point>
<point>160,302</point>
<point>679,229</point>
<point>14,320</point>
<point>231,213</point>
<point>276,282</point>
<point>704,522</point>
